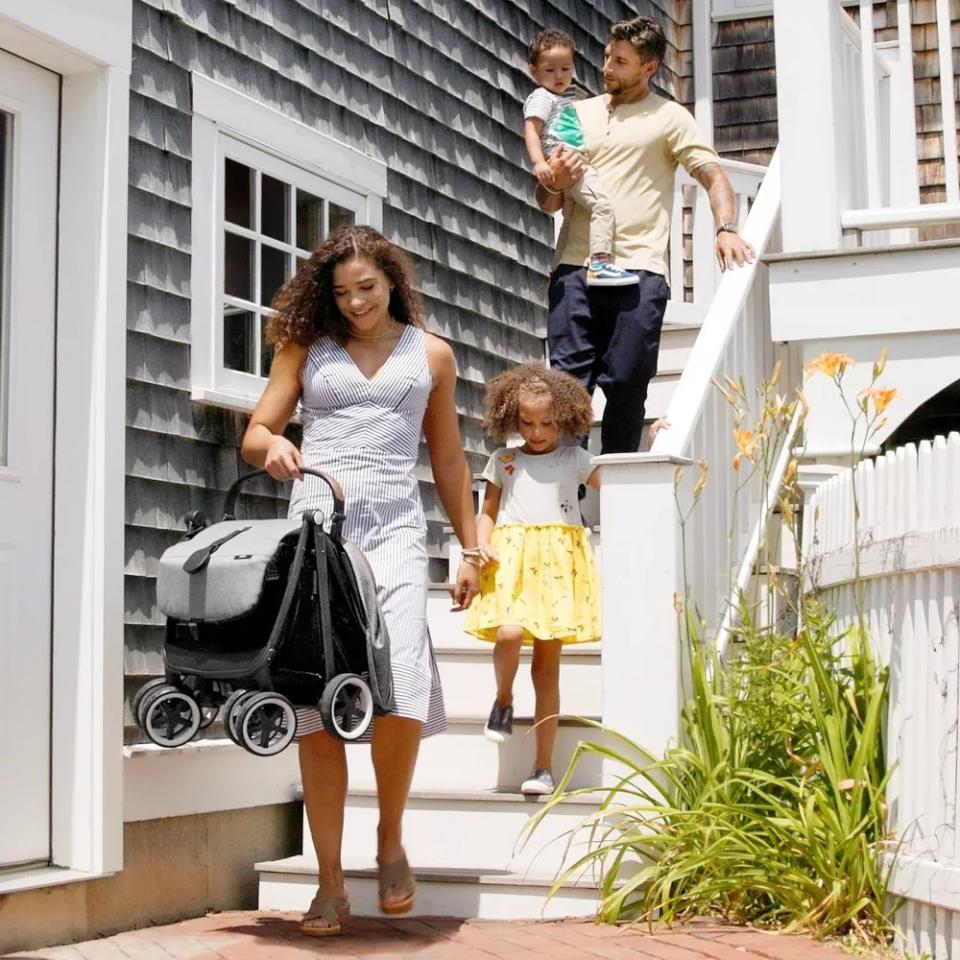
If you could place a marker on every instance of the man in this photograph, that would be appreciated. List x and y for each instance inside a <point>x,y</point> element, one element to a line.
<point>609,337</point>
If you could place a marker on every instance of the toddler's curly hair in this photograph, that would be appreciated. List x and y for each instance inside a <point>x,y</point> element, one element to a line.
<point>547,40</point>
<point>572,408</point>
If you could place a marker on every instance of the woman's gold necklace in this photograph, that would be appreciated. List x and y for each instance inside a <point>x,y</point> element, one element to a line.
<point>376,336</point>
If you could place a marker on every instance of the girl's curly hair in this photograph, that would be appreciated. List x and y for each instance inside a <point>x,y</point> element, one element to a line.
<point>305,304</point>
<point>571,405</point>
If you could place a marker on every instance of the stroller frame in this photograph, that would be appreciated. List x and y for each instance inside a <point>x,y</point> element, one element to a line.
<point>253,692</point>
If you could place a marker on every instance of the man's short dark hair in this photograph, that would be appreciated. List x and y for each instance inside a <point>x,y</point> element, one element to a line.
<point>645,34</point>
<point>547,40</point>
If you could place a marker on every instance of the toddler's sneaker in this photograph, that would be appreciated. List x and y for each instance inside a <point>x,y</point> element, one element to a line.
<point>539,783</point>
<point>604,273</point>
<point>500,723</point>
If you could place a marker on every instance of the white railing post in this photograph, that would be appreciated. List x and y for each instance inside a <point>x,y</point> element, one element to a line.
<point>808,42</point>
<point>642,692</point>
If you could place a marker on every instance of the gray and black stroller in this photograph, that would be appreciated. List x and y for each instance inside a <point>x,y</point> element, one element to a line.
<point>263,615</point>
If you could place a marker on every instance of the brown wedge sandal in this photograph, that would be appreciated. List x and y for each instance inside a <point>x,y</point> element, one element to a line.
<point>396,876</point>
<point>326,916</point>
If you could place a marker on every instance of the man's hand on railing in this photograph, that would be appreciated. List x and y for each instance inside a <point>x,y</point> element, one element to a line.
<point>732,250</point>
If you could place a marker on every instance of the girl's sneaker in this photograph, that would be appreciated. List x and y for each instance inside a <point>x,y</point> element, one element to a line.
<point>604,273</point>
<point>500,724</point>
<point>539,783</point>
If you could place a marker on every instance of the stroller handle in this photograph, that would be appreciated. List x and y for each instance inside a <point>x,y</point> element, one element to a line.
<point>230,503</point>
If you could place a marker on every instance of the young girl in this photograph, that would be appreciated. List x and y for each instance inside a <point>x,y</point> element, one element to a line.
<point>539,585</point>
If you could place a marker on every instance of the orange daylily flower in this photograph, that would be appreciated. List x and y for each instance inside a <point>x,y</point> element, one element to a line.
<point>829,363</point>
<point>881,396</point>
<point>746,441</point>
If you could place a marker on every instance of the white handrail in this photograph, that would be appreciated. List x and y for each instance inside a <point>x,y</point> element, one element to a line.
<point>719,322</point>
<point>749,560</point>
<point>886,218</point>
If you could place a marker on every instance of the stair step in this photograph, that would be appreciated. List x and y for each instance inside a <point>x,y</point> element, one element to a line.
<point>463,755</point>
<point>469,684</point>
<point>290,884</point>
<point>450,828</point>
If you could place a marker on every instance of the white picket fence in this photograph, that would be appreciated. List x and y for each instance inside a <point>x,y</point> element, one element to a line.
<point>909,532</point>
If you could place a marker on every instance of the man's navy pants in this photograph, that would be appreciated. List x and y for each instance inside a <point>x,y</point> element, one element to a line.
<point>608,337</point>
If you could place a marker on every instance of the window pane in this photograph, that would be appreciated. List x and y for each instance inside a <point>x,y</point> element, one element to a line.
<point>239,343</point>
<point>6,136</point>
<point>237,193</point>
<point>238,266</point>
<point>309,220</point>
<point>266,353</point>
<point>340,217</point>
<point>274,216</point>
<point>273,272</point>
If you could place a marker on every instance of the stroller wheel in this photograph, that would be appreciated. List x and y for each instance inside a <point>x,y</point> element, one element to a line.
<point>231,714</point>
<point>136,707</point>
<point>170,717</point>
<point>267,723</point>
<point>346,707</point>
<point>208,713</point>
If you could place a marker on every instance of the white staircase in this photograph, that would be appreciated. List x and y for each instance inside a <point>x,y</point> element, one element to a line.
<point>465,815</point>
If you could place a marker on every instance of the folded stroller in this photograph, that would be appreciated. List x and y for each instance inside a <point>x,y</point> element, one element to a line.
<point>263,615</point>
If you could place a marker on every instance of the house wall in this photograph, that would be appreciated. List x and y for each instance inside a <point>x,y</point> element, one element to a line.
<point>744,90</point>
<point>431,89</point>
<point>172,868</point>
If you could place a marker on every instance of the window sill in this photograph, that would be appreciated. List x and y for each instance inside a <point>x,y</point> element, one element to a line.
<point>231,401</point>
<point>221,398</point>
<point>38,877</point>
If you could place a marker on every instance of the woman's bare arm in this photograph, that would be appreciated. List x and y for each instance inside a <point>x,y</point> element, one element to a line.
<point>263,442</point>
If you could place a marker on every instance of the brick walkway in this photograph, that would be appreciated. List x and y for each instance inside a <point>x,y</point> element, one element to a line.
<point>274,936</point>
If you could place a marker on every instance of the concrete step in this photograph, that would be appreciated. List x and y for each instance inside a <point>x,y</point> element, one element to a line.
<point>462,755</point>
<point>479,828</point>
<point>290,884</point>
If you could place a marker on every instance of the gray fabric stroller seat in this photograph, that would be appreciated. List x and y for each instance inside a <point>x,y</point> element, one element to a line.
<point>263,616</point>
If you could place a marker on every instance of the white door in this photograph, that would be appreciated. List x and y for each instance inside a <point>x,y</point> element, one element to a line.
<point>29,120</point>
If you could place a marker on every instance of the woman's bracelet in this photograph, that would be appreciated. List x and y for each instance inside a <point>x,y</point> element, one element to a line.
<point>555,193</point>
<point>475,556</point>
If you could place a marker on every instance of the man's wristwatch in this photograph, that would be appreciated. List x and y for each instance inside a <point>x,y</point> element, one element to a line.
<point>726,228</point>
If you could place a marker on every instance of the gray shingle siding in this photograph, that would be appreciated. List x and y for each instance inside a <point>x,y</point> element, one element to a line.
<point>433,89</point>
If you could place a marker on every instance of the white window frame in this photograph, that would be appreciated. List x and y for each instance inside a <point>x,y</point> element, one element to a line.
<point>230,124</point>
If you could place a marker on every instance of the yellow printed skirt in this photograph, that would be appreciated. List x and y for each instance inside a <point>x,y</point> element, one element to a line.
<point>546,582</point>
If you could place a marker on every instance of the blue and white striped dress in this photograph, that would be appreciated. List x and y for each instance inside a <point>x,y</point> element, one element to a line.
<point>366,433</point>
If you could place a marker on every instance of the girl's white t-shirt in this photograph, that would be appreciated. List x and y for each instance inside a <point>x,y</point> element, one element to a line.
<point>539,487</point>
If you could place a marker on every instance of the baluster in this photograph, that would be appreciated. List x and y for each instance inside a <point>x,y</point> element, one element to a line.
<point>948,109</point>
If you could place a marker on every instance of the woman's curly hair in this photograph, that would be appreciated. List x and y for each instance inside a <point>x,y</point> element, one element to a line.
<point>305,305</point>
<point>571,405</point>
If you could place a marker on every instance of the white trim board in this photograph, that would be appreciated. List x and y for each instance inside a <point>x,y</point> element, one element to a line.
<point>864,292</point>
<point>89,44</point>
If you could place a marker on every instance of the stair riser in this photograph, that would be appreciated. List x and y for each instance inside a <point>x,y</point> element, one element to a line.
<point>469,686</point>
<point>659,392</point>
<point>478,833</point>
<point>462,757</point>
<point>436,898</point>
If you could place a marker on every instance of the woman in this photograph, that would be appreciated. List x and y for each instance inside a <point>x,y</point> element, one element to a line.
<point>352,350</point>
